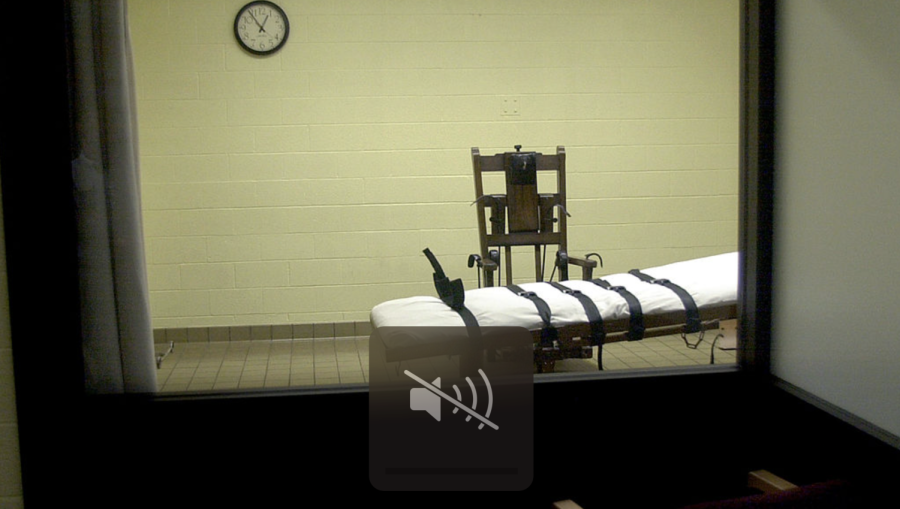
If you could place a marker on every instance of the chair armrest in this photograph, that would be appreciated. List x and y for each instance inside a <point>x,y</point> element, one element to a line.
<point>587,266</point>
<point>583,262</point>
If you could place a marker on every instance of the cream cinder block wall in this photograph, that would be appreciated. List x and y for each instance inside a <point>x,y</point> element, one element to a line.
<point>302,187</point>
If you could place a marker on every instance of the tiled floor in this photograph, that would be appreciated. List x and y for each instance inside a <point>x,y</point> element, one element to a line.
<point>229,365</point>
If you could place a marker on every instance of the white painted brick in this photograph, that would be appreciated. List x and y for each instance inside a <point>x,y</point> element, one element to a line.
<point>262,274</point>
<point>226,85</point>
<point>236,302</point>
<point>583,186</point>
<point>388,243</point>
<point>720,156</point>
<point>160,223</point>
<point>418,189</point>
<point>256,221</point>
<point>262,319</point>
<point>183,113</point>
<point>160,85</point>
<point>330,165</point>
<point>645,184</point>
<point>216,26</point>
<point>347,297</point>
<point>310,192</point>
<point>462,242</point>
<point>281,84</point>
<point>281,139</point>
<point>207,276</point>
<point>290,246</point>
<point>672,157</point>
<point>169,304</point>
<point>594,238</point>
<point>197,57</point>
<point>262,112</point>
<point>318,272</point>
<point>225,195</point>
<point>705,183</point>
<point>313,318</point>
<point>255,167</point>
<point>387,270</point>
<point>176,250</point>
<point>235,59</point>
<point>339,245</point>
<point>406,216</point>
<point>175,323</point>
<point>232,249</point>
<point>290,300</point>
<point>196,141</point>
<point>183,168</point>
<point>704,234</point>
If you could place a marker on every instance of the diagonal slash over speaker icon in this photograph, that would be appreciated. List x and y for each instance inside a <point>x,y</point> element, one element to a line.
<point>428,398</point>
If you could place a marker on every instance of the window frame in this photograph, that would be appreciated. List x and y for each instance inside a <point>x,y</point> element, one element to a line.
<point>35,170</point>
<point>60,244</point>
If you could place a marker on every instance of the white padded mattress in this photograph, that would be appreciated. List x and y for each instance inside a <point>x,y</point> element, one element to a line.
<point>711,281</point>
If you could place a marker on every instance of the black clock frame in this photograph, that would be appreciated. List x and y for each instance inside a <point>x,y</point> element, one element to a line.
<point>287,27</point>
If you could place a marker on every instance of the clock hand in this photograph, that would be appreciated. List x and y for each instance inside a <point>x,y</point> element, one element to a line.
<point>261,29</point>
<point>257,22</point>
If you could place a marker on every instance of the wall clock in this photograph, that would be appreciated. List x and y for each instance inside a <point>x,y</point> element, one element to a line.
<point>261,27</point>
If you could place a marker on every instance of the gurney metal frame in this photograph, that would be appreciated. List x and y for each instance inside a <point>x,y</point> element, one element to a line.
<point>574,340</point>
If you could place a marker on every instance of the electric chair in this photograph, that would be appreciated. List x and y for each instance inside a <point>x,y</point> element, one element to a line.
<point>523,216</point>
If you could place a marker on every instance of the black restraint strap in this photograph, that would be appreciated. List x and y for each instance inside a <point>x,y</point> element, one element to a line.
<point>548,333</point>
<point>635,312</point>
<point>470,321</point>
<point>453,294</point>
<point>598,334</point>
<point>692,314</point>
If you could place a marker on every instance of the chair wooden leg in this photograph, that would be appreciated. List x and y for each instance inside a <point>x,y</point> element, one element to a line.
<point>587,273</point>
<point>509,277</point>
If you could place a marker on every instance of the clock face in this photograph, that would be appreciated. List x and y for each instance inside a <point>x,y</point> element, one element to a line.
<point>261,27</point>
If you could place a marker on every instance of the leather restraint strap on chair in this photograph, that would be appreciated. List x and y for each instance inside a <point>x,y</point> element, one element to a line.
<point>635,312</point>
<point>693,323</point>
<point>548,333</point>
<point>598,333</point>
<point>453,294</point>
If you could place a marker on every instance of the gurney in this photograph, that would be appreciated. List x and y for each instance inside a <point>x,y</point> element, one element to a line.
<point>689,298</point>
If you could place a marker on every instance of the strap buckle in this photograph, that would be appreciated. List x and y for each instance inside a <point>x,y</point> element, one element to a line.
<point>527,295</point>
<point>660,282</point>
<point>617,288</point>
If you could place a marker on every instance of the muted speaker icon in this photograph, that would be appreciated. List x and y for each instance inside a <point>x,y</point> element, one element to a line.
<point>428,398</point>
<point>424,399</point>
